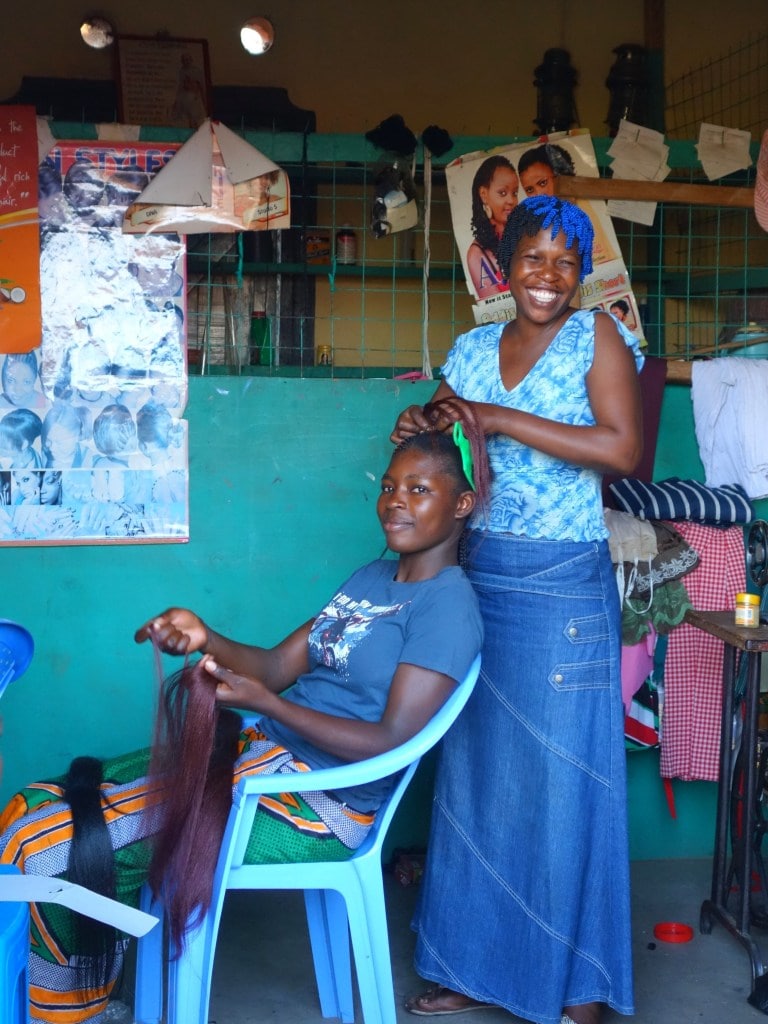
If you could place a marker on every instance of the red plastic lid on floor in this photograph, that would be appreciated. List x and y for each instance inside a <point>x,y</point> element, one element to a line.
<point>672,931</point>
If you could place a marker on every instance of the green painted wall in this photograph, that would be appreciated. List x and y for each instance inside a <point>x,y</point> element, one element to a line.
<point>284,475</point>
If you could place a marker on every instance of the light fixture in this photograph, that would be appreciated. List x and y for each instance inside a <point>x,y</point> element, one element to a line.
<point>97,32</point>
<point>257,35</point>
<point>555,79</point>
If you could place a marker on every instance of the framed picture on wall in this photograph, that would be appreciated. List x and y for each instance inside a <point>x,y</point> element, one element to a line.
<point>163,81</point>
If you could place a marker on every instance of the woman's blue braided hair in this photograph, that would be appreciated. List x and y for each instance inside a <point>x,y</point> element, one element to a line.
<point>536,213</point>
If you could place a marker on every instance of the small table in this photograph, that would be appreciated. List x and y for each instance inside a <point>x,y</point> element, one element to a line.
<point>752,642</point>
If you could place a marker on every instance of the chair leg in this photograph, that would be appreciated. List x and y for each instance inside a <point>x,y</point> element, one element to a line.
<point>329,937</point>
<point>189,975</point>
<point>148,993</point>
<point>378,1000</point>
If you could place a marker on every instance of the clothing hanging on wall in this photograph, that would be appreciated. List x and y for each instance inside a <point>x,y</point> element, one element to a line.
<point>728,398</point>
<point>693,669</point>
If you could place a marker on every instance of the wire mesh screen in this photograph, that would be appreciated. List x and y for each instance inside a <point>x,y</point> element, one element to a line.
<point>287,303</point>
<point>282,303</point>
<point>731,90</point>
<point>699,275</point>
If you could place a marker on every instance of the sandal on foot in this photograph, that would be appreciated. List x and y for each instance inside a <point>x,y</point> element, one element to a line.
<point>593,1011</point>
<point>440,1002</point>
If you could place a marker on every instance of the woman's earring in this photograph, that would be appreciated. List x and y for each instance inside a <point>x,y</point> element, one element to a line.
<point>487,210</point>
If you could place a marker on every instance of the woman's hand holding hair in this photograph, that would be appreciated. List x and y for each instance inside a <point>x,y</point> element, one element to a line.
<point>175,631</point>
<point>237,691</point>
<point>410,421</point>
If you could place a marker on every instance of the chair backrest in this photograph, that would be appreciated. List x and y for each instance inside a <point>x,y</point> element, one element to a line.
<point>404,758</point>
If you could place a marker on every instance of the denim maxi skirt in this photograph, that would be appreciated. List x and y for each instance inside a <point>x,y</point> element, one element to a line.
<point>525,898</point>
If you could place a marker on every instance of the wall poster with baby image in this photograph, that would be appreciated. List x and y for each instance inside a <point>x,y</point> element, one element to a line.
<point>484,188</point>
<point>93,443</point>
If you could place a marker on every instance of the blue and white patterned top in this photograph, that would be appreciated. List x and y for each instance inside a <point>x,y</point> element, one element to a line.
<point>533,494</point>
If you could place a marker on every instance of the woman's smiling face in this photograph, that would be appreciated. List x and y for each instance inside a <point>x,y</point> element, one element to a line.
<point>544,276</point>
<point>500,196</point>
<point>19,383</point>
<point>417,506</point>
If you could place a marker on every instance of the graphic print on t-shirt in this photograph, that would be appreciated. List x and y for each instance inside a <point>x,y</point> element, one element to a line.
<point>342,626</point>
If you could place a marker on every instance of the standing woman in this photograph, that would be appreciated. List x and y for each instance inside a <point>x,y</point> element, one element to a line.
<point>494,197</point>
<point>525,902</point>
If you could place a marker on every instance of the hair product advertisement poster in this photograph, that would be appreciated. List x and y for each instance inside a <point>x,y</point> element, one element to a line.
<point>19,233</point>
<point>93,443</point>
<point>484,188</point>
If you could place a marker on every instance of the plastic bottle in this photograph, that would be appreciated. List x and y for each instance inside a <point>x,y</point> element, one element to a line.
<point>260,339</point>
<point>346,244</point>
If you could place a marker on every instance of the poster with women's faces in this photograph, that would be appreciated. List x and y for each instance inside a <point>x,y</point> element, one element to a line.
<point>484,188</point>
<point>93,443</point>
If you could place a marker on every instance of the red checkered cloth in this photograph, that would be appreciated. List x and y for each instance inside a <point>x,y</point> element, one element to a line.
<point>693,667</point>
<point>761,184</point>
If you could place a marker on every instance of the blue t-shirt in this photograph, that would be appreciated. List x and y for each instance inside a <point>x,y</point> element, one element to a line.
<point>369,627</point>
<point>533,494</point>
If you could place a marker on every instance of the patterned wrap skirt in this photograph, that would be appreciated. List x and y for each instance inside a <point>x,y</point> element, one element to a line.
<point>526,901</point>
<point>36,835</point>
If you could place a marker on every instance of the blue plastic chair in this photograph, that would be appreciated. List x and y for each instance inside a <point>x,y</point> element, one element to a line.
<point>343,899</point>
<point>16,650</point>
<point>14,958</point>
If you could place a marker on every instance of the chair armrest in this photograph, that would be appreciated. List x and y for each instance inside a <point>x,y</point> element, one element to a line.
<point>379,767</point>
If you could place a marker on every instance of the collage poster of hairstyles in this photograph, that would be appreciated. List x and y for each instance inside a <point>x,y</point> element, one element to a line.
<point>93,443</point>
<point>484,187</point>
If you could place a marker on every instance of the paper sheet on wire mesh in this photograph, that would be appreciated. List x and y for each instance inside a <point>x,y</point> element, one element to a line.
<point>638,154</point>
<point>217,182</point>
<point>484,187</point>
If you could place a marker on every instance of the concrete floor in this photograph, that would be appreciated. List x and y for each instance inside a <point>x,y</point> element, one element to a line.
<point>705,981</point>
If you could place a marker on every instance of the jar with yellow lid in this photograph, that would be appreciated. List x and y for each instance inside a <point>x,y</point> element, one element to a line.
<point>747,610</point>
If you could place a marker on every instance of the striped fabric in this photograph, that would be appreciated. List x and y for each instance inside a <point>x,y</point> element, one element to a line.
<point>683,499</point>
<point>36,834</point>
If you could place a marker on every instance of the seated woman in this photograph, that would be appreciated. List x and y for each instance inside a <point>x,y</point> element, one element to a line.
<point>369,671</point>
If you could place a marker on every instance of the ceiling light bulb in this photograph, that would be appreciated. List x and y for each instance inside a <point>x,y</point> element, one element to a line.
<point>97,33</point>
<point>257,36</point>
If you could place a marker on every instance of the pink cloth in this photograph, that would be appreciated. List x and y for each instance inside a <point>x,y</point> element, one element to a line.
<point>636,666</point>
<point>693,667</point>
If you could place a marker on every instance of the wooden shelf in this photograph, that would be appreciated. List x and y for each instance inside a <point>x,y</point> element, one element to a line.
<point>197,264</point>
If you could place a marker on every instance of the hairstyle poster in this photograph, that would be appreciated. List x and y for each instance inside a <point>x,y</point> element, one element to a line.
<point>93,444</point>
<point>484,188</point>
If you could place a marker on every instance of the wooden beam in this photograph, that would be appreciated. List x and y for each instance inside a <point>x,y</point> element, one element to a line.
<point>578,187</point>
<point>653,18</point>
<point>679,371</point>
